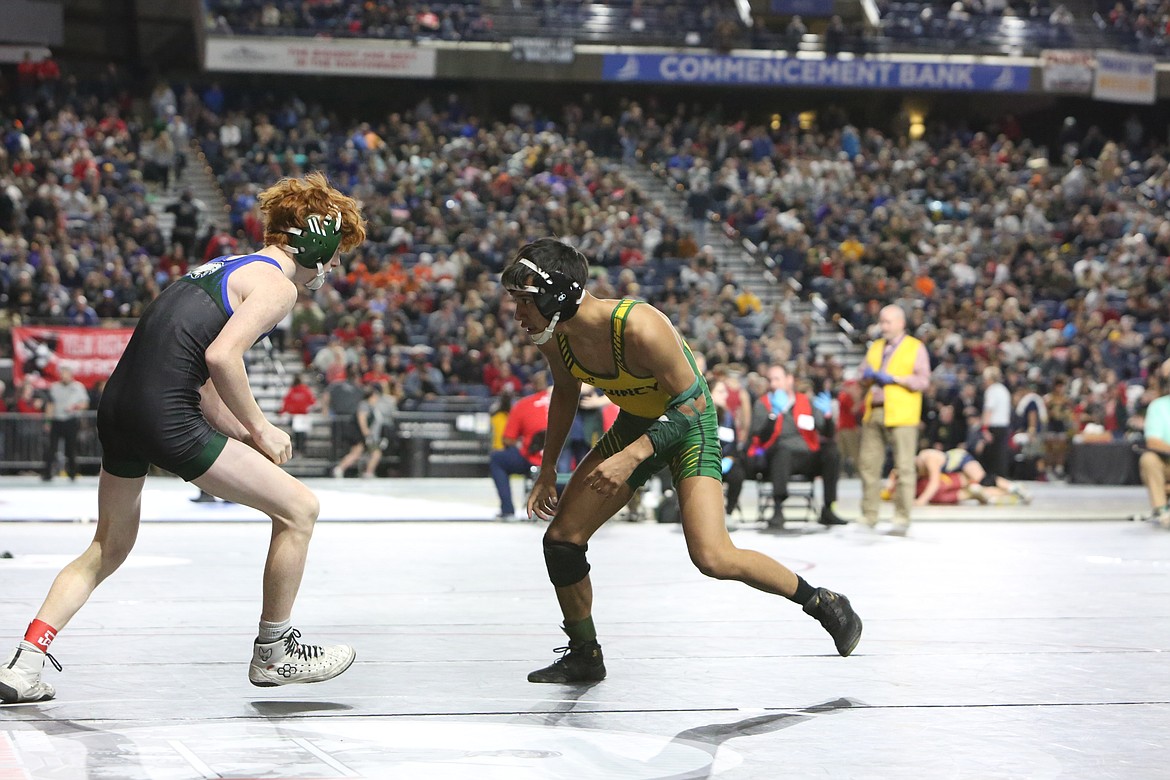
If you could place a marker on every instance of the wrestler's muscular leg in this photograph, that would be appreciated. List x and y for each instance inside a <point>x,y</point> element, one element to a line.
<point>580,512</point>
<point>701,501</point>
<point>710,546</point>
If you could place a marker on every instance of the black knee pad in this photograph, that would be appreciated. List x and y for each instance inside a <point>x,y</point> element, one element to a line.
<point>988,480</point>
<point>566,562</point>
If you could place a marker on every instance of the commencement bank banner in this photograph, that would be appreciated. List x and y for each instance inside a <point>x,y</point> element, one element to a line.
<point>1124,78</point>
<point>794,72</point>
<point>319,57</point>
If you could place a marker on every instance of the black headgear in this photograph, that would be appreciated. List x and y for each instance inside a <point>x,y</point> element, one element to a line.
<point>553,292</point>
<point>556,296</point>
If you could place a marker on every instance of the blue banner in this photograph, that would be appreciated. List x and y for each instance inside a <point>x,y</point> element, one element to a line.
<point>803,7</point>
<point>793,72</point>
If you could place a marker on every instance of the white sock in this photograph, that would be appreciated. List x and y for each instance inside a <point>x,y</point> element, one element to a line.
<point>270,632</point>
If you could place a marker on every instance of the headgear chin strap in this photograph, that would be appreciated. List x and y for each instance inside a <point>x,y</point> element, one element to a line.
<point>315,245</point>
<point>557,297</point>
<point>546,334</point>
<point>315,283</point>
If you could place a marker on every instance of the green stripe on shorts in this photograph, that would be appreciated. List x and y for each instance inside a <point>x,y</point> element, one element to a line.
<point>125,469</point>
<point>198,465</point>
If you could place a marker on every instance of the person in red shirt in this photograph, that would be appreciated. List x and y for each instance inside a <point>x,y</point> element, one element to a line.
<point>347,331</point>
<point>498,375</point>
<point>26,77</point>
<point>220,244</point>
<point>298,402</point>
<point>523,442</point>
<point>254,225</point>
<point>378,374</point>
<point>48,73</point>
<point>174,262</point>
<point>29,400</point>
<point>850,407</point>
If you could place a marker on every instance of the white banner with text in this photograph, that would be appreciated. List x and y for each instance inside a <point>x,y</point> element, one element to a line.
<point>320,57</point>
<point>1125,78</point>
<point>1067,70</point>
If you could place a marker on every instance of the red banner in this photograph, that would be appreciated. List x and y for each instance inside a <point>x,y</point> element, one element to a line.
<point>39,352</point>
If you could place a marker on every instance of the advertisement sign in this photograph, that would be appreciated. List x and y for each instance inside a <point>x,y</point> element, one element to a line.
<point>320,57</point>
<point>1124,78</point>
<point>557,51</point>
<point>1067,70</point>
<point>829,72</point>
<point>807,8</point>
<point>39,352</point>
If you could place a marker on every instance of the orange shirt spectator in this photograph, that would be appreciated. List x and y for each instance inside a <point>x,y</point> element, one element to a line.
<point>924,284</point>
<point>422,274</point>
<point>392,275</point>
<point>359,273</point>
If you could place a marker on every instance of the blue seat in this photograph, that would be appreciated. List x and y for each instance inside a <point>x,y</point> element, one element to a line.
<point>671,267</point>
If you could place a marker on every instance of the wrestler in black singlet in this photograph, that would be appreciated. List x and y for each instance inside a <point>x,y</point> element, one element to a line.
<point>149,412</point>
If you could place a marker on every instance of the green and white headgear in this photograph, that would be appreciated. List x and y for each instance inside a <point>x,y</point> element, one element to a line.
<point>314,245</point>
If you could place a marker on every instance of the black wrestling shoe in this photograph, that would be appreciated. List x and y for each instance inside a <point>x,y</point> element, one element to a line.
<point>837,617</point>
<point>776,521</point>
<point>580,662</point>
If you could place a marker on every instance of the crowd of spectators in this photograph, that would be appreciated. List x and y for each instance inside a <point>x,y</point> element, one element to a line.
<point>1143,25</point>
<point>999,26</point>
<point>992,26</point>
<point>449,199</point>
<point>975,20</point>
<point>691,22</point>
<point>1049,265</point>
<point>78,173</point>
<point>1049,262</point>
<point>447,21</point>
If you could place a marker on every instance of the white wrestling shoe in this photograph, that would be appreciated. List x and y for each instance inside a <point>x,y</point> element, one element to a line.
<point>286,661</point>
<point>20,676</point>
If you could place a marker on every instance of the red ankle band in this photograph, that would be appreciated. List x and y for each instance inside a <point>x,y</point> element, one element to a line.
<point>40,634</point>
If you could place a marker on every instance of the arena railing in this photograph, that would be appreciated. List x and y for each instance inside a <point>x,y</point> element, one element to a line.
<point>432,443</point>
<point>23,438</point>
